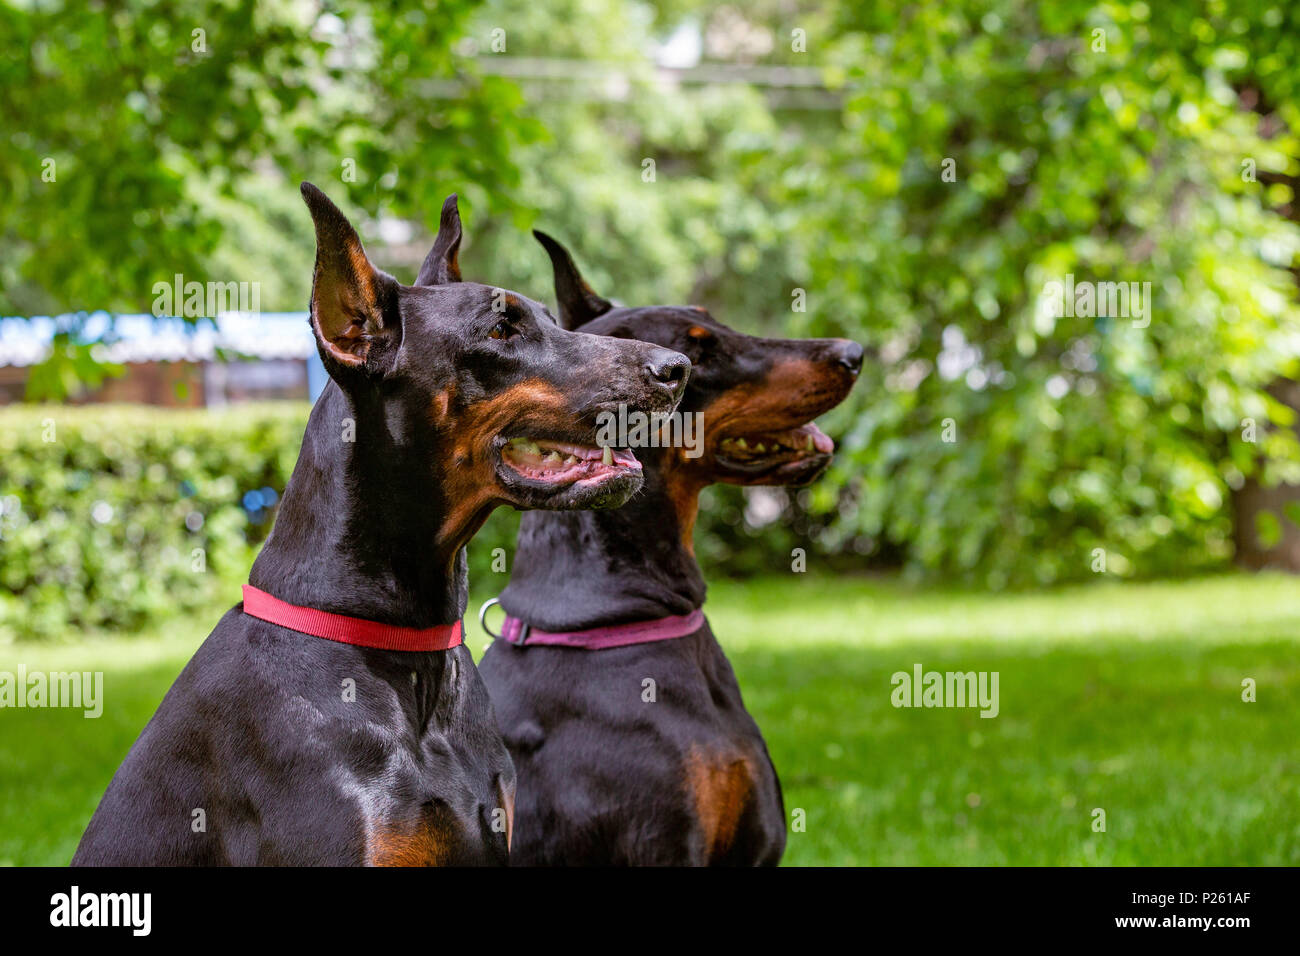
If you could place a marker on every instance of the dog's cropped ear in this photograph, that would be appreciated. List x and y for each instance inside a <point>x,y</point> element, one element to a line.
<point>578,304</point>
<point>442,264</point>
<point>348,294</point>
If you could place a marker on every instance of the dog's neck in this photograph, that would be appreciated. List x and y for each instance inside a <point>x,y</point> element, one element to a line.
<point>581,569</point>
<point>363,528</point>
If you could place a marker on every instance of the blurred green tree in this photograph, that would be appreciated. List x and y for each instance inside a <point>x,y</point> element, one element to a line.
<point>919,176</point>
<point>138,139</point>
<point>974,153</point>
<point>1108,143</point>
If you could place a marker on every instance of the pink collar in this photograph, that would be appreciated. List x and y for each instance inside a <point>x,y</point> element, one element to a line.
<point>349,630</point>
<point>517,632</point>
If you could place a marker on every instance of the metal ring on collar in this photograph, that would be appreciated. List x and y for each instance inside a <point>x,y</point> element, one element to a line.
<point>482,618</point>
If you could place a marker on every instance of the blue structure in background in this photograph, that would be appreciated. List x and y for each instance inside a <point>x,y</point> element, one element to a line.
<point>316,375</point>
<point>269,337</point>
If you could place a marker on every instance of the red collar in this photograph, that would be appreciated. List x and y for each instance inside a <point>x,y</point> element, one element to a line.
<point>350,630</point>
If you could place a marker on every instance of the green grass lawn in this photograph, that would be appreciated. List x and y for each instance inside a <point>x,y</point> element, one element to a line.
<point>1125,697</point>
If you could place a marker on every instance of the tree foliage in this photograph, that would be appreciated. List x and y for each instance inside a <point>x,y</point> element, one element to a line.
<point>142,140</point>
<point>992,440</point>
<point>948,164</point>
<point>1104,142</point>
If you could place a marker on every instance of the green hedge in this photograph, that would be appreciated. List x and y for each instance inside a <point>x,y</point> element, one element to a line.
<point>113,515</point>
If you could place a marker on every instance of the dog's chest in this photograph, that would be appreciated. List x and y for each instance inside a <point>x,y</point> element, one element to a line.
<point>422,805</point>
<point>428,792</point>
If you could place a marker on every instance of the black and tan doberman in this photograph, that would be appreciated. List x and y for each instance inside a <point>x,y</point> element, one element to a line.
<point>622,714</point>
<point>334,717</point>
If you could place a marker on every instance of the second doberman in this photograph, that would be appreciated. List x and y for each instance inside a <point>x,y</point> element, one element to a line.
<point>623,717</point>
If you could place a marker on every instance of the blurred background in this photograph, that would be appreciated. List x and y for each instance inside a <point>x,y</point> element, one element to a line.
<point>1080,500</point>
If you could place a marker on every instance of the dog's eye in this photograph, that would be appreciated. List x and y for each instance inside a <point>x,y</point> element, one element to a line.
<point>698,341</point>
<point>502,330</point>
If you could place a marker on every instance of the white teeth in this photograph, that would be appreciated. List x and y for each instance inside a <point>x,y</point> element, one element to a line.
<point>607,455</point>
<point>570,460</point>
<point>759,447</point>
<point>810,443</point>
<point>740,443</point>
<point>551,456</point>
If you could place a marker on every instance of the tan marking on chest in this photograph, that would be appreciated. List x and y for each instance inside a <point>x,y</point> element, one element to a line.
<point>422,841</point>
<point>721,785</point>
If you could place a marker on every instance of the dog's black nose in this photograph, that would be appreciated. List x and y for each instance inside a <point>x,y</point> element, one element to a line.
<point>670,369</point>
<point>850,356</point>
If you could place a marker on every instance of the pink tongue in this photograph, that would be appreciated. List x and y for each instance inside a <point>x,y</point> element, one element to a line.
<point>821,441</point>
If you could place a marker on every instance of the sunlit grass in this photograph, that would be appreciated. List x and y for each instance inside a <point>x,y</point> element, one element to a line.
<point>1123,697</point>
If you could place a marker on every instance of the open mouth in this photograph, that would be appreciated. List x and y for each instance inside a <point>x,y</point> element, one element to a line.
<point>564,463</point>
<point>762,451</point>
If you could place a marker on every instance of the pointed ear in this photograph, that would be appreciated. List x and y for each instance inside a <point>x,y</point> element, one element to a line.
<point>442,264</point>
<point>578,304</point>
<point>347,292</point>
